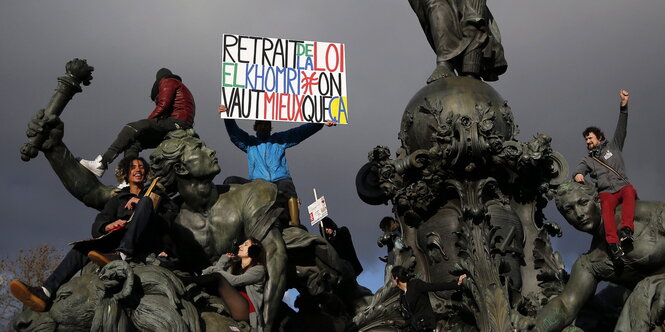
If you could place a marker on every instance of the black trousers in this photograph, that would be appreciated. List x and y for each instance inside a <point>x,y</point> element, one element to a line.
<point>285,187</point>
<point>122,240</point>
<point>285,190</point>
<point>140,135</point>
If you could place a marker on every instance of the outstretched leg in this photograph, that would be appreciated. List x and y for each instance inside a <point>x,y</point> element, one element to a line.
<point>234,302</point>
<point>126,137</point>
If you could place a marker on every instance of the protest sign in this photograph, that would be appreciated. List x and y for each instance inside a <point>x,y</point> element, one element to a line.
<point>278,79</point>
<point>317,210</point>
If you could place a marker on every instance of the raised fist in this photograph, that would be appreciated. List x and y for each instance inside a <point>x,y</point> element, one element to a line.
<point>44,132</point>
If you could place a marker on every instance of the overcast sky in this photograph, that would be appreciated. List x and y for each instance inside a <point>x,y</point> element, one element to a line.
<point>566,62</point>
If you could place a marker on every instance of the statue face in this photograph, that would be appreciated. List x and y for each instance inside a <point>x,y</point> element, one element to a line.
<point>73,308</point>
<point>580,210</point>
<point>199,160</point>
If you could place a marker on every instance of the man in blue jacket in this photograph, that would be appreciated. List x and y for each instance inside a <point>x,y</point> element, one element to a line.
<point>266,154</point>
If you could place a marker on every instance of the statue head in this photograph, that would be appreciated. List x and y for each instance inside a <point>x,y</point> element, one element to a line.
<point>579,204</point>
<point>113,300</point>
<point>183,155</point>
<point>73,307</point>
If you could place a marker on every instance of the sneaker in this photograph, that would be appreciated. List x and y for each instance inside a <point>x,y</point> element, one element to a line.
<point>33,297</point>
<point>123,185</point>
<point>101,259</point>
<point>625,234</point>
<point>94,166</point>
<point>615,251</point>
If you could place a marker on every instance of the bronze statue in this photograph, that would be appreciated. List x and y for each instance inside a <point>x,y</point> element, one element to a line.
<point>109,301</point>
<point>464,36</point>
<point>641,267</point>
<point>210,219</point>
<point>469,199</point>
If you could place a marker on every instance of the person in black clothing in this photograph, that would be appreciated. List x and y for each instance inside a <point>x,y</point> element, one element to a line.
<point>414,301</point>
<point>391,238</point>
<point>340,239</point>
<point>125,240</point>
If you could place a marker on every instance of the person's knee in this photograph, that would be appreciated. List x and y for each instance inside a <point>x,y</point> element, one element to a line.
<point>235,180</point>
<point>607,200</point>
<point>145,200</point>
<point>631,191</point>
<point>139,125</point>
<point>607,205</point>
<point>144,204</point>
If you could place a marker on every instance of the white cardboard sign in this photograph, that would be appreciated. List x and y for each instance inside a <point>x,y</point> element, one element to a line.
<point>317,210</point>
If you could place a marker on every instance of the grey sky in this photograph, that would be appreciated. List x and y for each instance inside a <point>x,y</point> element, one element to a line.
<point>566,61</point>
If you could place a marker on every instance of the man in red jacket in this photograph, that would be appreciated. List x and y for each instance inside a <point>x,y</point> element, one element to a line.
<point>174,110</point>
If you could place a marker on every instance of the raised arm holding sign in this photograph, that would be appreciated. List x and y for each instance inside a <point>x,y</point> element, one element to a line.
<point>266,154</point>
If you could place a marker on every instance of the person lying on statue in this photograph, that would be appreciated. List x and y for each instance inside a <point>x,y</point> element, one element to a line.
<point>113,232</point>
<point>580,205</point>
<point>239,280</point>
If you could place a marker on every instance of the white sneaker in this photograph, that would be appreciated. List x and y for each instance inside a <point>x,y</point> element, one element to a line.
<point>123,185</point>
<point>94,166</point>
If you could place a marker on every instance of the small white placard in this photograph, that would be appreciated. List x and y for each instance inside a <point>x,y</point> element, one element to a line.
<point>317,210</point>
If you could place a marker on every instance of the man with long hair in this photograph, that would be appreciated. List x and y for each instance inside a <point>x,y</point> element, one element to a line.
<point>114,233</point>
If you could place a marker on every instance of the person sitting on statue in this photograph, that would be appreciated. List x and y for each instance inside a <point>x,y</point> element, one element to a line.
<point>131,238</point>
<point>174,109</point>
<point>579,204</point>
<point>340,239</point>
<point>239,279</point>
<point>266,154</point>
<point>185,166</point>
<point>414,301</point>
<point>606,166</point>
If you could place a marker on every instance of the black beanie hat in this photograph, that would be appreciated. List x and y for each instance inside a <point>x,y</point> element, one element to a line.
<point>164,72</point>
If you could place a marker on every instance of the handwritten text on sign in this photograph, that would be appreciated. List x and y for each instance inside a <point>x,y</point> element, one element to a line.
<point>317,210</point>
<point>283,80</point>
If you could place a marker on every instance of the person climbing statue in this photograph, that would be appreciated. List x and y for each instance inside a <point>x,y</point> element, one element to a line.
<point>266,155</point>
<point>174,109</point>
<point>606,166</point>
